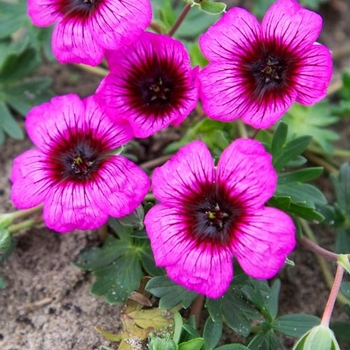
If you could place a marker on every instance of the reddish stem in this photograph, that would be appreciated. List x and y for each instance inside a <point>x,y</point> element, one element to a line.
<point>332,296</point>
<point>180,19</point>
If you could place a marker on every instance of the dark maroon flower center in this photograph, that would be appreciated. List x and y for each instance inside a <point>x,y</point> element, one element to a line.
<point>212,215</point>
<point>80,9</point>
<point>77,158</point>
<point>269,70</point>
<point>157,86</point>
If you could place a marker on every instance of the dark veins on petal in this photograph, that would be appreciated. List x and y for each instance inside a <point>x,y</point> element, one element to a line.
<point>269,70</point>
<point>77,9</point>
<point>156,87</point>
<point>76,158</point>
<point>213,215</point>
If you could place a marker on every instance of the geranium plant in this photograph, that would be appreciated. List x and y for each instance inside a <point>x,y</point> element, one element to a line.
<point>211,221</point>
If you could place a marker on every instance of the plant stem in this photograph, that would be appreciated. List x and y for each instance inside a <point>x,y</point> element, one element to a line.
<point>320,161</point>
<point>180,19</point>
<point>197,307</point>
<point>102,232</point>
<point>95,70</point>
<point>318,250</point>
<point>256,131</point>
<point>323,264</point>
<point>12,229</point>
<point>154,162</point>
<point>242,129</point>
<point>332,296</point>
<point>26,212</point>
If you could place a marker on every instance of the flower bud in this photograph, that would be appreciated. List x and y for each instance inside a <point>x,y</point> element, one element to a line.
<point>320,337</point>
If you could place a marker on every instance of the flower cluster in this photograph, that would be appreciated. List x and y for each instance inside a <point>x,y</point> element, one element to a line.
<point>207,214</point>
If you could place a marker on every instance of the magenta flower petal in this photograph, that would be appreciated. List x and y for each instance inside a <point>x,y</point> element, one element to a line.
<point>84,30</point>
<point>182,175</point>
<point>74,172</point>
<point>242,30</point>
<point>29,185</point>
<point>115,191</point>
<point>208,215</point>
<point>313,90</point>
<point>241,166</point>
<point>71,45</point>
<point>72,207</point>
<point>297,27</point>
<point>261,246</point>
<point>187,263</point>
<point>256,72</point>
<point>151,84</point>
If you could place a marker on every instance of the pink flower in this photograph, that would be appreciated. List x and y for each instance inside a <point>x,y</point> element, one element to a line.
<point>208,214</point>
<point>257,71</point>
<point>151,84</point>
<point>86,28</point>
<point>74,171</point>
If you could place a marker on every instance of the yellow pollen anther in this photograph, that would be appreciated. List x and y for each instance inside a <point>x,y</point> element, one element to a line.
<point>211,215</point>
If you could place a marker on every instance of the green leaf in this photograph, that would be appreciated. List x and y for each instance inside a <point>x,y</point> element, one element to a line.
<point>8,124</point>
<point>11,22</point>
<point>232,347</point>
<point>295,325</point>
<point>271,300</point>
<point>178,323</point>
<point>116,266</point>
<point>116,281</point>
<point>170,294</point>
<point>24,95</point>
<point>95,258</point>
<point>17,67</point>
<point>157,343</point>
<point>232,309</point>
<point>148,263</point>
<point>5,240</point>
<point>2,283</point>
<point>7,253</point>
<point>302,175</point>
<point>208,6</point>
<point>290,151</point>
<point>305,194</point>
<point>216,135</point>
<point>341,330</point>
<point>341,185</point>
<point>212,333</point>
<point>265,341</point>
<point>315,121</point>
<point>279,139</point>
<point>342,241</point>
<point>193,344</point>
<point>263,297</point>
<point>345,288</point>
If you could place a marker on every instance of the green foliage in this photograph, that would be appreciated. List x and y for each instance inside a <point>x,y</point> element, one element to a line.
<point>265,341</point>
<point>196,22</point>
<point>293,195</point>
<point>315,121</point>
<point>343,106</point>
<point>21,45</point>
<point>295,325</point>
<point>233,308</point>
<point>170,293</point>
<point>216,135</point>
<point>119,264</point>
<point>212,333</point>
<point>209,6</point>
<point>341,184</point>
